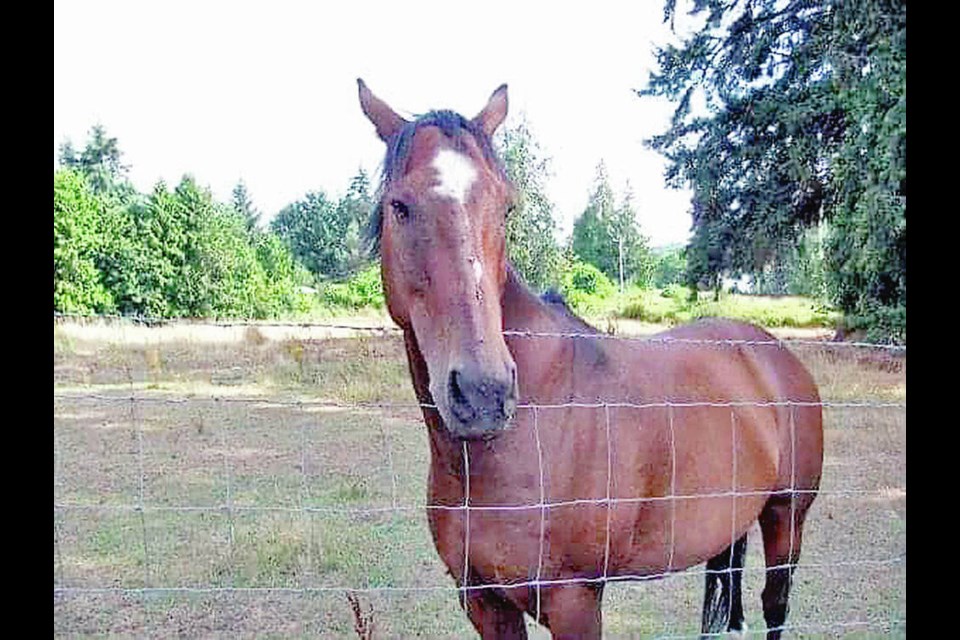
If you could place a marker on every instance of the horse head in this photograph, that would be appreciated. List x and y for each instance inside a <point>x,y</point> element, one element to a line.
<point>440,230</point>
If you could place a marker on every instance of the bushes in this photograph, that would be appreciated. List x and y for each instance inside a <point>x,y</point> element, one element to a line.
<point>881,324</point>
<point>179,253</point>
<point>170,254</point>
<point>669,306</point>
<point>675,305</point>
<point>585,288</point>
<point>365,289</point>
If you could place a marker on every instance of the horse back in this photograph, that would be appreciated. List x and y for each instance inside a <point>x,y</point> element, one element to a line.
<point>775,376</point>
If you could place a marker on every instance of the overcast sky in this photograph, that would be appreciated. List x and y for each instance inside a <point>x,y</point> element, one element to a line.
<point>266,91</point>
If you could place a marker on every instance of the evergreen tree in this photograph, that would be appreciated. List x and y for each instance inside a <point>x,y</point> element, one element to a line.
<point>635,261</point>
<point>99,162</point>
<point>244,206</point>
<point>531,230</point>
<point>608,236</point>
<point>591,240</point>
<point>803,123</point>
<point>315,233</point>
<point>326,235</point>
<point>78,236</point>
<point>670,266</point>
<point>353,210</point>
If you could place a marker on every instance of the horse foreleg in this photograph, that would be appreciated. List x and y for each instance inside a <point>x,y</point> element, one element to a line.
<point>722,602</point>
<point>494,616</point>
<point>572,611</point>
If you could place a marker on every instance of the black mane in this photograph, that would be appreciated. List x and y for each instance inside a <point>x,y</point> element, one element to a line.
<point>552,296</point>
<point>454,126</point>
<point>556,301</point>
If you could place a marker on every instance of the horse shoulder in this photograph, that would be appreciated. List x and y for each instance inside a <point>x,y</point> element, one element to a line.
<point>588,354</point>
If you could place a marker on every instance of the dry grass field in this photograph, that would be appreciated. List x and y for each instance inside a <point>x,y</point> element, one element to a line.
<point>237,481</point>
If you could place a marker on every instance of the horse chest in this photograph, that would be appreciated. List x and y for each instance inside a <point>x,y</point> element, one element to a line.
<point>501,540</point>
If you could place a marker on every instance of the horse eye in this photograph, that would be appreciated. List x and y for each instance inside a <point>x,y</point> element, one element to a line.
<point>400,210</point>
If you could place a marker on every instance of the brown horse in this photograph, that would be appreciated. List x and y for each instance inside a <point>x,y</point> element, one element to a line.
<point>560,463</point>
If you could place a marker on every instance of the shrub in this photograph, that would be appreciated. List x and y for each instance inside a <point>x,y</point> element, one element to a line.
<point>78,239</point>
<point>881,324</point>
<point>166,254</point>
<point>676,305</point>
<point>585,287</point>
<point>364,289</point>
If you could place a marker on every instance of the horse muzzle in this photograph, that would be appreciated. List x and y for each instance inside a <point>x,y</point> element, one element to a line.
<point>479,405</point>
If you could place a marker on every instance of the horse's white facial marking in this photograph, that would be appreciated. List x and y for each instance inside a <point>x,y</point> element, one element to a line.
<point>477,269</point>
<point>457,174</point>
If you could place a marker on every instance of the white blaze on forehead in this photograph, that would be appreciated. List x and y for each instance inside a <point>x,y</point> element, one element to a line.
<point>477,269</point>
<point>457,174</point>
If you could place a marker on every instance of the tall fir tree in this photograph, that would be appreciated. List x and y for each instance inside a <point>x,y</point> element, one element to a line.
<point>591,240</point>
<point>531,229</point>
<point>790,115</point>
<point>608,235</point>
<point>99,162</point>
<point>354,210</point>
<point>243,205</point>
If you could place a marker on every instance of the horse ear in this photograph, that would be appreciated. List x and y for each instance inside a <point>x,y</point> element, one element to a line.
<point>379,112</point>
<point>494,113</point>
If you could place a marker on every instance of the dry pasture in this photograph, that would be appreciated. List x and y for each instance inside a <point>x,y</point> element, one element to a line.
<point>238,482</point>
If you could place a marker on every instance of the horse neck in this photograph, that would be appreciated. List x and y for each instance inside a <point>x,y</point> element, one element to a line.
<point>522,309</point>
<point>525,311</point>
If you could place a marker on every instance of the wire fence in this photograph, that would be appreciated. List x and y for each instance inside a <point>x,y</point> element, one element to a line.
<point>298,500</point>
<point>150,321</point>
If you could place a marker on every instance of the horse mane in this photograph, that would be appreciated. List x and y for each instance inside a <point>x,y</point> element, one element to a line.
<point>555,300</point>
<point>454,126</point>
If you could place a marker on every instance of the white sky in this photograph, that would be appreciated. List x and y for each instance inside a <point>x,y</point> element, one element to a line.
<point>266,91</point>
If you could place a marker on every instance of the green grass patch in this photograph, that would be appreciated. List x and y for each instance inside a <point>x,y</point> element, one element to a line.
<point>675,305</point>
<point>100,548</point>
<point>370,371</point>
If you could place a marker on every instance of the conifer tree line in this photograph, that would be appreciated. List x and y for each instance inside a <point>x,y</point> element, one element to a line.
<point>789,129</point>
<point>172,252</point>
<point>180,253</point>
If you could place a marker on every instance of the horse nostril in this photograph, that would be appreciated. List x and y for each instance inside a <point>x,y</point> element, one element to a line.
<point>456,393</point>
<point>459,402</point>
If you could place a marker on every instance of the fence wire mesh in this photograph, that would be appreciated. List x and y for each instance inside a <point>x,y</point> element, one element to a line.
<point>228,486</point>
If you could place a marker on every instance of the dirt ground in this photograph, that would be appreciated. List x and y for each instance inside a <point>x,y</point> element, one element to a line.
<point>238,481</point>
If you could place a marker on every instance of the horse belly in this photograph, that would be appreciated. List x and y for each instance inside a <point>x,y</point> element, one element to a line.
<point>677,534</point>
<point>710,479</point>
